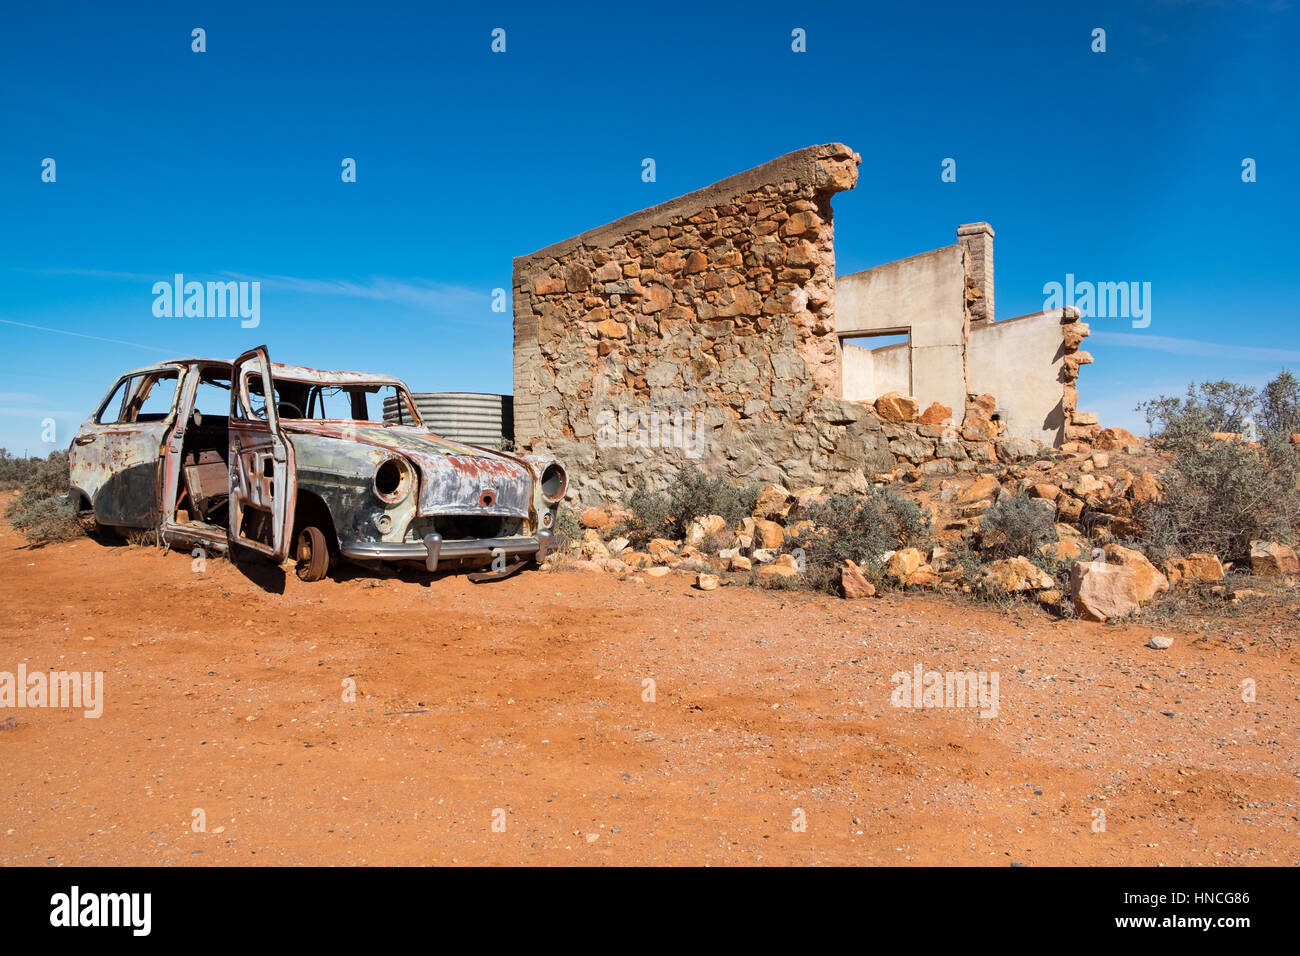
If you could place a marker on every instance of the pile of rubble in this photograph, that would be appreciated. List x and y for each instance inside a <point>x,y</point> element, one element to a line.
<point>1090,492</point>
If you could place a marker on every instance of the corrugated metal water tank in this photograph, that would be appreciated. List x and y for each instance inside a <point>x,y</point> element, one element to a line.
<point>475,417</point>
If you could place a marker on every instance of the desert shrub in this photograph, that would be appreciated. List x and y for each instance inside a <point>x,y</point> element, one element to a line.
<point>1208,407</point>
<point>47,520</point>
<point>1279,405</point>
<point>1218,495</point>
<point>861,529</point>
<point>41,511</point>
<point>566,523</point>
<point>692,494</point>
<point>1016,525</point>
<point>649,514</point>
<point>14,471</point>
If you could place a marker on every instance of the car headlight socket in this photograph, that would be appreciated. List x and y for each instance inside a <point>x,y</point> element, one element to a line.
<point>393,480</point>
<point>555,482</point>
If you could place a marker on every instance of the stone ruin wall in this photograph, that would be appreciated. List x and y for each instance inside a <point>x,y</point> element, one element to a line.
<point>702,332</point>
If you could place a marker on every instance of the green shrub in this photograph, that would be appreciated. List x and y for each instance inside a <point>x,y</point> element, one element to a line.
<point>861,529</point>
<point>1016,525</point>
<point>1219,495</point>
<point>15,471</point>
<point>692,494</point>
<point>566,523</point>
<point>42,511</point>
<point>1279,405</point>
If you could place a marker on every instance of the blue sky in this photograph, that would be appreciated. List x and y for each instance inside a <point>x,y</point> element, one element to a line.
<point>1115,166</point>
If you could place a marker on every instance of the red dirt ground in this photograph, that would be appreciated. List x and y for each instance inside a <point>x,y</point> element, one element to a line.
<point>526,696</point>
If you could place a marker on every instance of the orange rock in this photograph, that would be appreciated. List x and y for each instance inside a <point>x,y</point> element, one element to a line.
<point>1144,488</point>
<point>1113,438</point>
<point>769,534</point>
<point>1150,581</point>
<point>854,582</point>
<point>935,414</point>
<point>897,407</point>
<point>1273,560</point>
<point>1201,568</point>
<point>1102,591</point>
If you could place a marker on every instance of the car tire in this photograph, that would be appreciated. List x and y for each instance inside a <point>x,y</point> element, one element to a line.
<point>311,554</point>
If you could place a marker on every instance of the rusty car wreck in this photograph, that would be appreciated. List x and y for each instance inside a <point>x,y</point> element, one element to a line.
<point>192,450</point>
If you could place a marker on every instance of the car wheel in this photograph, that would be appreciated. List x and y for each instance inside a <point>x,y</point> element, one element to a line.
<point>311,554</point>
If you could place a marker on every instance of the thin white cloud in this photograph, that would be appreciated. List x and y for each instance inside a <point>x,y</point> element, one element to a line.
<point>8,412</point>
<point>1161,343</point>
<point>424,294</point>
<point>440,298</point>
<point>83,335</point>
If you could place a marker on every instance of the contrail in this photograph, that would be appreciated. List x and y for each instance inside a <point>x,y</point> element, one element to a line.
<point>82,335</point>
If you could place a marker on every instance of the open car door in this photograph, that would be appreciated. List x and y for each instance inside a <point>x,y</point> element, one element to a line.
<point>262,475</point>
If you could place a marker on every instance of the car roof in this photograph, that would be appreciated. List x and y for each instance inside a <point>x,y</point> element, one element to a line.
<point>297,373</point>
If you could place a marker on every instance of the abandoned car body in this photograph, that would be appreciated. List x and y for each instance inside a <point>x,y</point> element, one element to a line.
<point>192,449</point>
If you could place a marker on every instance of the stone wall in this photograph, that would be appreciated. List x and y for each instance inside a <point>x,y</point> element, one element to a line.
<point>699,331</point>
<point>704,332</point>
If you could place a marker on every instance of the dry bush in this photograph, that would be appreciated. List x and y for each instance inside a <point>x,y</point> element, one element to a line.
<point>861,529</point>
<point>692,494</point>
<point>1016,525</point>
<point>1220,494</point>
<point>42,511</point>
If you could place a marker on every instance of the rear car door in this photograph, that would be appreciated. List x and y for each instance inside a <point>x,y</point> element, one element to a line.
<point>262,483</point>
<point>116,457</point>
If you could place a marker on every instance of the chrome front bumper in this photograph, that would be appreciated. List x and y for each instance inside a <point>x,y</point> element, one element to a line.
<point>433,549</point>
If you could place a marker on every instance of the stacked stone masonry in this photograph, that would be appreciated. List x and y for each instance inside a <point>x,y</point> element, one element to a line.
<point>702,332</point>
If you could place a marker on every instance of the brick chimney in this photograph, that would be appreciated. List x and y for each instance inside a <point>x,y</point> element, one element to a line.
<point>976,239</point>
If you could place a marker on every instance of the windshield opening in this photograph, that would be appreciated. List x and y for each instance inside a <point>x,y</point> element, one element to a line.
<point>350,402</point>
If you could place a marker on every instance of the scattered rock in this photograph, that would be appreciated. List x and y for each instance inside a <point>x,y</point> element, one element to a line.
<point>897,407</point>
<point>1160,643</point>
<point>768,534</point>
<point>983,487</point>
<point>1016,449</point>
<point>705,529</point>
<point>773,502</point>
<point>661,548</point>
<point>855,583</point>
<point>1269,559</point>
<point>1103,592</point>
<point>594,518</point>
<point>1200,568</point>
<point>770,571</point>
<point>1150,581</point>
<point>1112,438</point>
<point>706,582</point>
<point>1144,488</point>
<point>935,414</point>
<point>1017,574</point>
<point>903,563</point>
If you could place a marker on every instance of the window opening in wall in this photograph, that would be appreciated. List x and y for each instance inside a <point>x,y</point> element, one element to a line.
<point>876,363</point>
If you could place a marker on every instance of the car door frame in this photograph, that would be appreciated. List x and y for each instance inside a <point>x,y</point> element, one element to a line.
<point>113,456</point>
<point>255,444</point>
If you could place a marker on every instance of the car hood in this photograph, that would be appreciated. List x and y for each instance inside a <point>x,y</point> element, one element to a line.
<point>453,477</point>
